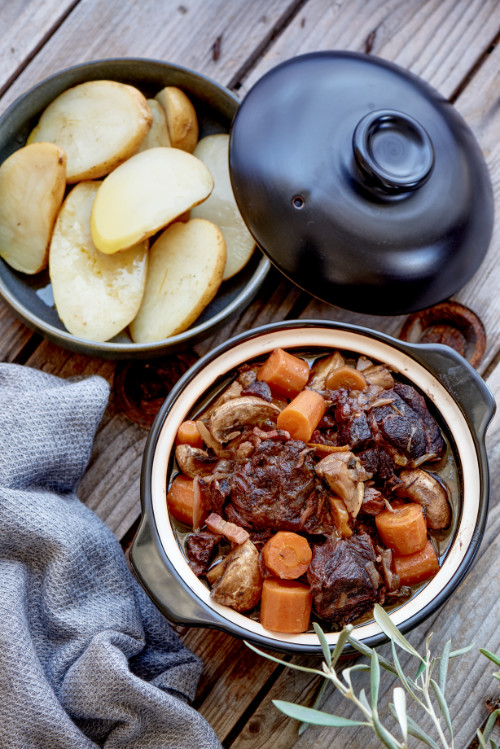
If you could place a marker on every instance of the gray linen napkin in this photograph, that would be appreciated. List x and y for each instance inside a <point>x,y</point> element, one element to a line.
<point>86,660</point>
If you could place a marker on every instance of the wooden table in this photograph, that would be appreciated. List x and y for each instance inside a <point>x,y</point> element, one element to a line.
<point>452,45</point>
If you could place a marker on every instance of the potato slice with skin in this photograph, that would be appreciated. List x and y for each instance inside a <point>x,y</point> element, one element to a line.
<point>32,183</point>
<point>99,124</point>
<point>96,295</point>
<point>181,118</point>
<point>145,194</point>
<point>158,134</point>
<point>185,270</point>
<point>221,206</point>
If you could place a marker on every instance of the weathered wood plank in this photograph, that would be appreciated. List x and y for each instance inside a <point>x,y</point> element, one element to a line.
<point>479,104</point>
<point>440,40</point>
<point>25,25</point>
<point>224,692</point>
<point>274,301</point>
<point>15,335</point>
<point>214,38</point>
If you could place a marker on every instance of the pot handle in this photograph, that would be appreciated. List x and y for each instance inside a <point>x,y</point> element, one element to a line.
<point>162,583</point>
<point>460,379</point>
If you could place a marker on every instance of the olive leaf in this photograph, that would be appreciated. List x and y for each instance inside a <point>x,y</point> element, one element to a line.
<point>400,711</point>
<point>419,688</point>
<point>316,717</point>
<point>392,632</point>
<point>494,658</point>
<point>270,657</point>
<point>442,705</point>
<point>374,680</point>
<point>417,732</point>
<point>443,666</point>
<point>365,650</point>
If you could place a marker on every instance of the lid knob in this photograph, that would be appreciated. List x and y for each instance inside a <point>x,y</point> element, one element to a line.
<point>393,151</point>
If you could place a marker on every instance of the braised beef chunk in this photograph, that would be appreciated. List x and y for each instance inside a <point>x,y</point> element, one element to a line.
<point>373,501</point>
<point>380,464</point>
<point>199,550</point>
<point>344,578</point>
<point>214,493</point>
<point>259,389</point>
<point>434,439</point>
<point>405,426</point>
<point>355,431</point>
<point>369,460</point>
<point>398,428</point>
<point>270,489</point>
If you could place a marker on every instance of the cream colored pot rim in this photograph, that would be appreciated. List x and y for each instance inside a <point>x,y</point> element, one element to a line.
<point>321,337</point>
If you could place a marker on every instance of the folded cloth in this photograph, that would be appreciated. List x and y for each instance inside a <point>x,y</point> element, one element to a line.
<point>86,660</point>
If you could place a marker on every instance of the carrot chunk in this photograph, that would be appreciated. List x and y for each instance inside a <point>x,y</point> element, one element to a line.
<point>284,373</point>
<point>415,568</point>
<point>180,499</point>
<point>285,606</point>
<point>346,377</point>
<point>287,555</point>
<point>302,415</point>
<point>188,434</point>
<point>404,529</point>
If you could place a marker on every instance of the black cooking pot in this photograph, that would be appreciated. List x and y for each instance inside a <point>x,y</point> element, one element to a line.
<point>362,184</point>
<point>462,403</point>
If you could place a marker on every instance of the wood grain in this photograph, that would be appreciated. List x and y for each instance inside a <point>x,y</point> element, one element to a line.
<point>444,41</point>
<point>183,32</point>
<point>440,40</point>
<point>479,104</point>
<point>26,25</point>
<point>230,669</point>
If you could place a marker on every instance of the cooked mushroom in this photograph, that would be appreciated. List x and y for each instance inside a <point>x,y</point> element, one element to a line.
<point>379,375</point>
<point>232,391</point>
<point>363,363</point>
<point>193,461</point>
<point>240,584</point>
<point>322,368</point>
<point>209,441</point>
<point>228,419</point>
<point>343,473</point>
<point>423,488</point>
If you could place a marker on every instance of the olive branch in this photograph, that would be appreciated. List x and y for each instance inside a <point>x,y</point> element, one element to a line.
<point>427,689</point>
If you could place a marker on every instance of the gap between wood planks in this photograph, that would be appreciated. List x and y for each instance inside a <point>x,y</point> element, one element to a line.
<point>474,69</point>
<point>267,43</point>
<point>36,49</point>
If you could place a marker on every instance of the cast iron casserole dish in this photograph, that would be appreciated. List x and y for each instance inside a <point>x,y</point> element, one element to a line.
<point>454,391</point>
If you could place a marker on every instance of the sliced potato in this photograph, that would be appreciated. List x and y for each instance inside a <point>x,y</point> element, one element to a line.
<point>181,118</point>
<point>185,270</point>
<point>158,134</point>
<point>99,124</point>
<point>221,206</point>
<point>96,295</point>
<point>32,183</point>
<point>145,194</point>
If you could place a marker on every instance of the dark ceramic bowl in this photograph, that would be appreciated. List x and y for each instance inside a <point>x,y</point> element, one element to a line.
<point>460,400</point>
<point>31,296</point>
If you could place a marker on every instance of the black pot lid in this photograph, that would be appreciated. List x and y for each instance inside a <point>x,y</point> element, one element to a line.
<point>363,185</point>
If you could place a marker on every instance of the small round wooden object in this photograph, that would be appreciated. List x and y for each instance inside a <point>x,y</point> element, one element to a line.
<point>450,323</point>
<point>140,387</point>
